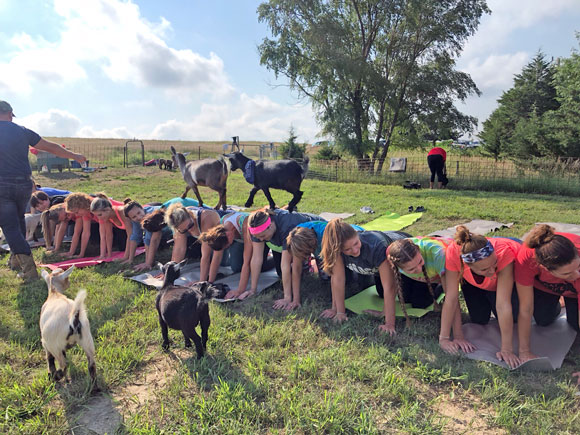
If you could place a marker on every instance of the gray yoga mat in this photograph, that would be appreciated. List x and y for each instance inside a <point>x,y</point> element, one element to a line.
<point>477,226</point>
<point>191,272</point>
<point>329,216</point>
<point>560,227</point>
<point>550,343</point>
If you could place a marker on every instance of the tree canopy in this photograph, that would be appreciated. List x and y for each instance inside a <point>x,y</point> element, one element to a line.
<point>370,66</point>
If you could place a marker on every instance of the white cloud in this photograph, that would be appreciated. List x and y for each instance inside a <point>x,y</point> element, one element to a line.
<point>113,36</point>
<point>256,118</point>
<point>496,71</point>
<point>53,123</point>
<point>510,15</point>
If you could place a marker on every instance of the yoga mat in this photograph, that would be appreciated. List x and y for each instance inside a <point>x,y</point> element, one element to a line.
<point>89,261</point>
<point>477,226</point>
<point>551,343</point>
<point>369,300</point>
<point>33,244</point>
<point>391,222</point>
<point>190,274</point>
<point>560,227</point>
<point>329,216</point>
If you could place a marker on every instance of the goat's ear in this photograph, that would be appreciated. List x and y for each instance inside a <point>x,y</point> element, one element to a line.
<point>67,272</point>
<point>45,276</point>
<point>173,150</point>
<point>160,265</point>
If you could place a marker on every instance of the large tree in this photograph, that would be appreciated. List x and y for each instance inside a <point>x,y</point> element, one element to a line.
<point>369,66</point>
<point>516,127</point>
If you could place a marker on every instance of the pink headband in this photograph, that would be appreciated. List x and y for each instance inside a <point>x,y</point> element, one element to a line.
<point>260,228</point>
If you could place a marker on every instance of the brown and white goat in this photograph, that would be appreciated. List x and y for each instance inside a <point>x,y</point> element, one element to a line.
<point>64,323</point>
<point>212,173</point>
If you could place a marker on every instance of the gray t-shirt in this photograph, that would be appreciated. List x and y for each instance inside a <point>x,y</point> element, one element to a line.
<point>373,251</point>
<point>14,143</point>
<point>286,222</point>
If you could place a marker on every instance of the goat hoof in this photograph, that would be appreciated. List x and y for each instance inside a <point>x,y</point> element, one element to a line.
<point>248,204</point>
<point>187,344</point>
<point>165,346</point>
<point>58,375</point>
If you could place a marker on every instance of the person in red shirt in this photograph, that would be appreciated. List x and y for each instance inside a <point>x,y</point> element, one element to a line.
<point>485,266</point>
<point>436,160</point>
<point>549,262</point>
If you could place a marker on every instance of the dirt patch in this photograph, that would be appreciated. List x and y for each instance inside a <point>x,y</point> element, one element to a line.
<point>104,414</point>
<point>465,414</point>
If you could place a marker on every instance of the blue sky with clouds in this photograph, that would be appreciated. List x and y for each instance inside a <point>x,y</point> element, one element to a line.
<point>189,69</point>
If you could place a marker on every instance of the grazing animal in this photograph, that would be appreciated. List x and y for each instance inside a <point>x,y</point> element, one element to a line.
<point>212,173</point>
<point>271,174</point>
<point>64,323</point>
<point>166,164</point>
<point>182,308</point>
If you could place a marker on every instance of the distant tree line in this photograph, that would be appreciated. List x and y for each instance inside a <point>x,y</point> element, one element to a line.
<point>376,71</point>
<point>540,115</point>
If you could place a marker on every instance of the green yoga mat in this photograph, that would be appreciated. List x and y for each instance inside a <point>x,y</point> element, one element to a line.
<point>369,300</point>
<point>391,222</point>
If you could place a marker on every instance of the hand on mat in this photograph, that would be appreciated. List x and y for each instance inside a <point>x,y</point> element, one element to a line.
<point>292,305</point>
<point>375,313</point>
<point>232,294</point>
<point>509,358</point>
<point>68,255</point>
<point>280,303</point>
<point>160,275</point>
<point>126,261</point>
<point>448,346</point>
<point>390,329</point>
<point>464,345</point>
<point>328,314</point>
<point>340,317</point>
<point>246,294</point>
<point>141,267</point>
<point>526,356</point>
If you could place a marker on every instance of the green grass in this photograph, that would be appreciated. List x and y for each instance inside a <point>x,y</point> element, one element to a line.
<point>272,372</point>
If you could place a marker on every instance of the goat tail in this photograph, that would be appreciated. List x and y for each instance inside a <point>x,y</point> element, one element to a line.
<point>305,164</point>
<point>225,166</point>
<point>78,304</point>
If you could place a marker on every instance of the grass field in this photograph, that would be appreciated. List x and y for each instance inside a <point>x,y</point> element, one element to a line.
<point>270,372</point>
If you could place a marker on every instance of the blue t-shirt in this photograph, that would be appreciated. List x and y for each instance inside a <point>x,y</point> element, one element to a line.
<point>286,222</point>
<point>373,251</point>
<point>186,202</point>
<point>139,234</point>
<point>51,191</point>
<point>14,143</point>
<point>319,227</point>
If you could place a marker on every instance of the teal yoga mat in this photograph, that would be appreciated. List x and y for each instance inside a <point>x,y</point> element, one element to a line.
<point>369,300</point>
<point>391,222</point>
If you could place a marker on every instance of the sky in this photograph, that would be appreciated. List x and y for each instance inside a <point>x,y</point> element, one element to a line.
<point>190,69</point>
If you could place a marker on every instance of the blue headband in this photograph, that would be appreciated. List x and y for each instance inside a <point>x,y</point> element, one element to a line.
<point>479,254</point>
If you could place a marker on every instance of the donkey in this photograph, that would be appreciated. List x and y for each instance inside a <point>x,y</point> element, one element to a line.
<point>276,174</point>
<point>212,173</point>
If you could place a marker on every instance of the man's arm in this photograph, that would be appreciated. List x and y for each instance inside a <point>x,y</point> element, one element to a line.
<point>58,150</point>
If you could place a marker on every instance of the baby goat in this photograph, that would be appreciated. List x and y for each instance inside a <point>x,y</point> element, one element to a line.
<point>182,308</point>
<point>64,323</point>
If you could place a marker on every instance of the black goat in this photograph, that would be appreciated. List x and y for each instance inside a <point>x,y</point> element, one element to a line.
<point>271,174</point>
<point>182,308</point>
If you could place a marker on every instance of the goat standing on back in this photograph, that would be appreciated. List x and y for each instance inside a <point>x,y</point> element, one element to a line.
<point>64,323</point>
<point>276,174</point>
<point>182,308</point>
<point>212,173</point>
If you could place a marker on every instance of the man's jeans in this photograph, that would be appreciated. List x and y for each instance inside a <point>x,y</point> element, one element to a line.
<point>14,196</point>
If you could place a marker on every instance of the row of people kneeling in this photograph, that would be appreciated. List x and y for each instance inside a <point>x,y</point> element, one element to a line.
<point>514,280</point>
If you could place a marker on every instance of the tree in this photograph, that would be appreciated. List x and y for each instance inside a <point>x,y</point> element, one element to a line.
<point>564,124</point>
<point>516,127</point>
<point>368,66</point>
<point>291,149</point>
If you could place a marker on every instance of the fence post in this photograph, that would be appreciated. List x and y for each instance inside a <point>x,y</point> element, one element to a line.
<point>457,167</point>
<point>199,152</point>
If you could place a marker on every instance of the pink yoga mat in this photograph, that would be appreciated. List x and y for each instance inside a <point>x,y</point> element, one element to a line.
<point>88,261</point>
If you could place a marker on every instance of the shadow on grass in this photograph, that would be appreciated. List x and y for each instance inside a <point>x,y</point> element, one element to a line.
<point>418,346</point>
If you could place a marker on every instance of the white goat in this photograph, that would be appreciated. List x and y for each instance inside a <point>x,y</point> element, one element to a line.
<point>64,323</point>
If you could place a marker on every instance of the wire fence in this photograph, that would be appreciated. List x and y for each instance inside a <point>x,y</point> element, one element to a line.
<point>555,176</point>
<point>560,176</point>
